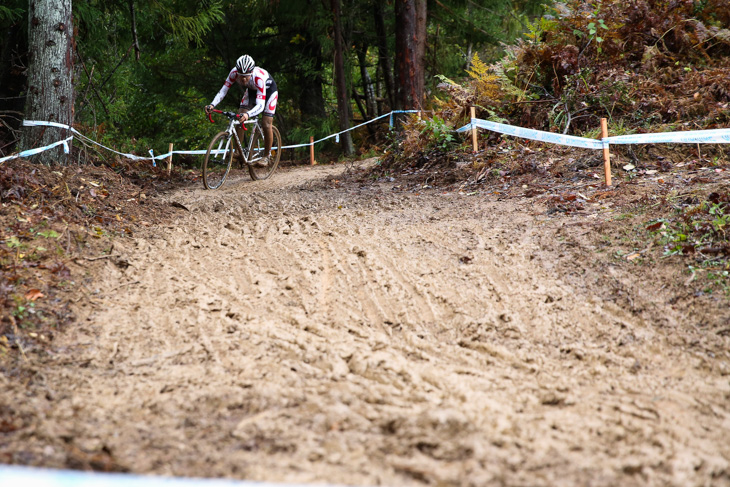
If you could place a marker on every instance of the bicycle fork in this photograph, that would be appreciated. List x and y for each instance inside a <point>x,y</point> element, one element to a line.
<point>242,152</point>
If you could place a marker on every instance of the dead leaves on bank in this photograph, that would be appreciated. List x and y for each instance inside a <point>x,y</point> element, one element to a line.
<point>49,216</point>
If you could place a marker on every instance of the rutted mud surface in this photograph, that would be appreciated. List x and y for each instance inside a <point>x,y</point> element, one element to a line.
<point>284,331</point>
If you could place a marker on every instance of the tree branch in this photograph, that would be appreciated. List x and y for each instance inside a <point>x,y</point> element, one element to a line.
<point>134,29</point>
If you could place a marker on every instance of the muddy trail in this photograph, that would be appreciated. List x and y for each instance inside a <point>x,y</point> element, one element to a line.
<point>293,330</point>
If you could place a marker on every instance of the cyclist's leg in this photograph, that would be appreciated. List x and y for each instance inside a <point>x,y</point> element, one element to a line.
<point>267,121</point>
<point>244,107</point>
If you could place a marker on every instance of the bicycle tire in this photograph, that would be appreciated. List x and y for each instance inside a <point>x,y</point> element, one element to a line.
<point>216,166</point>
<point>258,147</point>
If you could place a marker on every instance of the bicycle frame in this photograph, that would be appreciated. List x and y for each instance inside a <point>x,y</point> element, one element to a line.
<point>234,122</point>
<point>220,154</point>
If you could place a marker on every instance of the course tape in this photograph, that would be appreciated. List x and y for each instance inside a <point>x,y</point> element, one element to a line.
<point>715,136</point>
<point>153,157</point>
<point>31,152</point>
<point>531,134</point>
<point>12,476</point>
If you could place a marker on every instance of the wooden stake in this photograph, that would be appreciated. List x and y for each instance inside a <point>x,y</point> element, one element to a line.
<point>169,161</point>
<point>474,130</point>
<point>311,151</point>
<point>606,153</point>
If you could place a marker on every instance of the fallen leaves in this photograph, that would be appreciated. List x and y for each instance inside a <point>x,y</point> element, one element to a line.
<point>48,217</point>
<point>34,295</point>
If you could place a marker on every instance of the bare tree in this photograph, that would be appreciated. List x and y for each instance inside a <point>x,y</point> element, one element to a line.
<point>343,100</point>
<point>50,95</point>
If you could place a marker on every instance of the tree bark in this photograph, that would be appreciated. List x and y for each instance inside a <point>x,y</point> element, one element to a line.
<point>343,102</point>
<point>133,14</point>
<point>410,51</point>
<point>50,95</point>
<point>367,82</point>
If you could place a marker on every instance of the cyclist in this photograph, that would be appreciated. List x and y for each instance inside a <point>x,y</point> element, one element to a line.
<point>259,96</point>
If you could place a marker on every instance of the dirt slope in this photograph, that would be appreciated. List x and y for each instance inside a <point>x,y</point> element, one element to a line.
<point>289,330</point>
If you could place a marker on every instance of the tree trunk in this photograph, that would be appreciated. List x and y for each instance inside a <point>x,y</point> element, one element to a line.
<point>50,76</point>
<point>343,102</point>
<point>135,40</point>
<point>367,82</point>
<point>383,56</point>
<point>410,51</point>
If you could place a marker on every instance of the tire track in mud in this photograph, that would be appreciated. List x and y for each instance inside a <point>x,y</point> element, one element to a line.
<point>284,331</point>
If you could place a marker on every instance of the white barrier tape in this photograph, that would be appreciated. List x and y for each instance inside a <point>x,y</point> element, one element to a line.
<point>337,135</point>
<point>569,140</point>
<point>32,152</point>
<point>31,477</point>
<point>715,136</point>
<point>38,123</point>
<point>153,158</point>
<point>400,111</point>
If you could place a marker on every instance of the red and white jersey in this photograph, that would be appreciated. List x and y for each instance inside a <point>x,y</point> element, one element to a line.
<point>260,85</point>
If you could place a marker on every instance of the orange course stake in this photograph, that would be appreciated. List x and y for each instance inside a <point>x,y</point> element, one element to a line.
<point>311,151</point>
<point>606,153</point>
<point>474,129</point>
<point>169,162</point>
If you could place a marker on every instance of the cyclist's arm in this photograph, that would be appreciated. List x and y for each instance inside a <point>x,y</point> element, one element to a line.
<point>244,106</point>
<point>230,79</point>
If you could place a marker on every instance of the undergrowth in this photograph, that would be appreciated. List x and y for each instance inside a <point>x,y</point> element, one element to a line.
<point>644,65</point>
<point>699,229</point>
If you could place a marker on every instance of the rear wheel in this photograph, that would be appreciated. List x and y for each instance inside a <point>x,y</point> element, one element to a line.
<point>257,151</point>
<point>218,160</point>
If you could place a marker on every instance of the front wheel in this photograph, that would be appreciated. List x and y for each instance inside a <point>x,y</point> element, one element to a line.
<point>257,150</point>
<point>218,160</point>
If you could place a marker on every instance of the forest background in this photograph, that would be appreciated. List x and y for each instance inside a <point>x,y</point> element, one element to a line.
<point>143,70</point>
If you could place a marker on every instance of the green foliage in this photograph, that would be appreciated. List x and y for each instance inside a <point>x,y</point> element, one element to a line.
<point>186,48</point>
<point>313,127</point>
<point>438,133</point>
<point>191,27</point>
<point>10,13</point>
<point>701,230</point>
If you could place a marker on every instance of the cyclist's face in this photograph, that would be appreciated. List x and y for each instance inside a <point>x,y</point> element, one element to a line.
<point>244,78</point>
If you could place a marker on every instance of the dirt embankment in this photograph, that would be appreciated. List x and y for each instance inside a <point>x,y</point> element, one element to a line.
<point>291,330</point>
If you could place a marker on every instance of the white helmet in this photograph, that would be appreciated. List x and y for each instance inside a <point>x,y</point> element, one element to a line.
<point>245,64</point>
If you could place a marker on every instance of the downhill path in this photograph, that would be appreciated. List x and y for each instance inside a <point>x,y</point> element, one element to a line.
<point>287,330</point>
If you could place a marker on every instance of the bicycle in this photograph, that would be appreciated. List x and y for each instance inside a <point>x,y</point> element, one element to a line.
<point>219,156</point>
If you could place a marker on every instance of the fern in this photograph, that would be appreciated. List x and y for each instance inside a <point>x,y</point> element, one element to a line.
<point>506,83</point>
<point>444,79</point>
<point>486,84</point>
<point>11,14</point>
